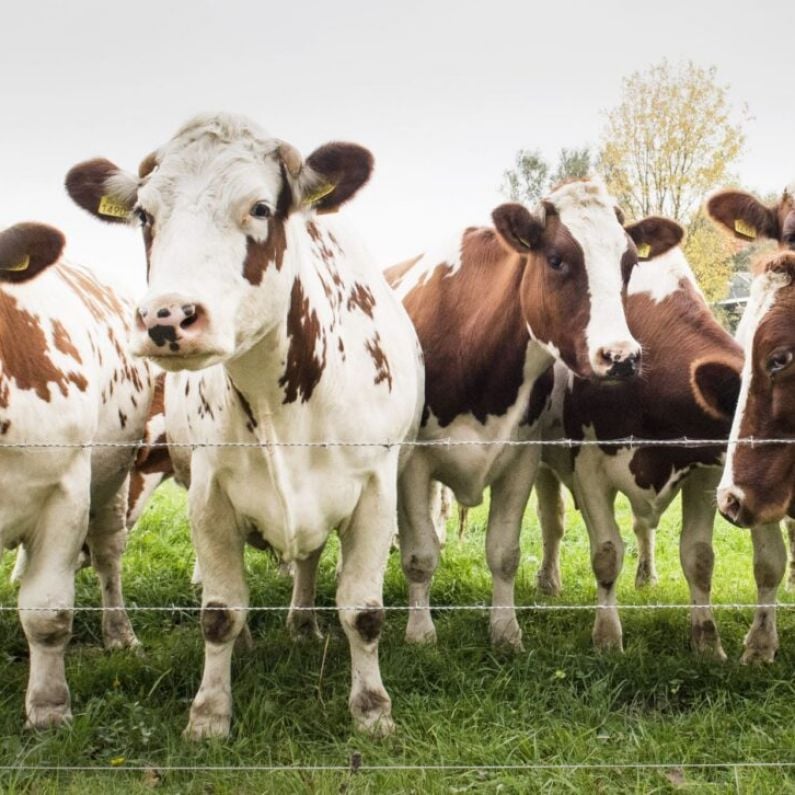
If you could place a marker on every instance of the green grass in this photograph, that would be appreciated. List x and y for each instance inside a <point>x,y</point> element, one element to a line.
<point>457,703</point>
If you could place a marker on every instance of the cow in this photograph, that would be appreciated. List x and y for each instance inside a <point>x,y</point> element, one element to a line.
<point>757,482</point>
<point>65,379</point>
<point>493,309</point>
<point>689,386</point>
<point>293,369</point>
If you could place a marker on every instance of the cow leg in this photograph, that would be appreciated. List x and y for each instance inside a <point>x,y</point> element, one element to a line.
<point>365,548</point>
<point>509,496</point>
<point>219,551</point>
<point>551,516</point>
<point>790,525</point>
<point>107,538</point>
<point>770,563</point>
<point>46,598</point>
<point>439,511</point>
<point>595,500</point>
<point>302,623</point>
<point>419,548</point>
<point>697,558</point>
<point>645,533</point>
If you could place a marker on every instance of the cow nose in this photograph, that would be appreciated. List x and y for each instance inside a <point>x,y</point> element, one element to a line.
<point>621,360</point>
<point>730,504</point>
<point>171,320</point>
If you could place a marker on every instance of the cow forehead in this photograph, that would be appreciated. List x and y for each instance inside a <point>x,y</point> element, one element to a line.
<point>764,292</point>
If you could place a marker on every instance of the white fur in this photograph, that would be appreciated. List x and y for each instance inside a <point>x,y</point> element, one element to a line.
<point>662,276</point>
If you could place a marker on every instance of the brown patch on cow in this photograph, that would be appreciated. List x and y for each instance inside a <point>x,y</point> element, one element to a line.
<point>122,419</point>
<point>700,565</point>
<point>539,396</point>
<point>205,409</point>
<point>251,420</point>
<point>383,372</point>
<point>63,342</point>
<point>368,701</point>
<point>259,256</point>
<point>306,354</point>
<point>341,348</point>
<point>369,623</point>
<point>148,233</point>
<point>4,427</point>
<point>673,333</point>
<point>99,299</point>
<point>361,297</point>
<point>217,623</point>
<point>24,355</point>
<point>605,564</point>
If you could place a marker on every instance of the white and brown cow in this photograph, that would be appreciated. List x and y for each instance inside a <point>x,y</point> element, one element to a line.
<point>493,310</point>
<point>293,337</point>
<point>689,386</point>
<point>65,378</point>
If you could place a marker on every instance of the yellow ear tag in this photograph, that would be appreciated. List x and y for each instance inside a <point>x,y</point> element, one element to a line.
<point>644,250</point>
<point>320,193</point>
<point>22,265</point>
<point>744,230</point>
<point>109,206</point>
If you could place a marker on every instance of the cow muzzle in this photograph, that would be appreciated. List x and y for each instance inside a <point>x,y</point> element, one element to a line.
<point>173,327</point>
<point>619,360</point>
<point>733,508</point>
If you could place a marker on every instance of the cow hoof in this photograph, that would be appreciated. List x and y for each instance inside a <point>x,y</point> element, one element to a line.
<point>645,576</point>
<point>758,653</point>
<point>507,636</point>
<point>303,627</point>
<point>47,716</point>
<point>420,630</point>
<point>705,641</point>
<point>608,638</point>
<point>207,727</point>
<point>548,582</point>
<point>121,641</point>
<point>382,726</point>
<point>371,710</point>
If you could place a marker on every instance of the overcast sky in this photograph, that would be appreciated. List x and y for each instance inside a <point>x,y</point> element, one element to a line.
<point>443,93</point>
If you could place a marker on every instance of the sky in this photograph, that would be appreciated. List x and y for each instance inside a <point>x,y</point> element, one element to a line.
<point>443,93</point>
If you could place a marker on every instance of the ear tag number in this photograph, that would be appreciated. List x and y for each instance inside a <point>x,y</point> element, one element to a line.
<point>109,206</point>
<point>744,230</point>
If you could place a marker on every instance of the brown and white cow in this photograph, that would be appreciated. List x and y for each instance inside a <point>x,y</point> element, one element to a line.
<point>689,386</point>
<point>65,378</point>
<point>493,310</point>
<point>295,340</point>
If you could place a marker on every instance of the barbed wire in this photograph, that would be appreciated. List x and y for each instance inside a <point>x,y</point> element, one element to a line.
<point>536,607</point>
<point>626,441</point>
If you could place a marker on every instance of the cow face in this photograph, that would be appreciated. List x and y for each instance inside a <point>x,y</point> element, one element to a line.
<point>578,262</point>
<point>748,219</point>
<point>215,205</point>
<point>758,483</point>
<point>27,249</point>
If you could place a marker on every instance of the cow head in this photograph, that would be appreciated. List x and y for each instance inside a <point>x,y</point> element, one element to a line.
<point>216,205</point>
<point>749,219</point>
<point>578,262</point>
<point>758,483</point>
<point>27,249</point>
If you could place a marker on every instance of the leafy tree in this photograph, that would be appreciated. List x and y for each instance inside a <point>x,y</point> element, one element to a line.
<point>573,164</point>
<point>532,177</point>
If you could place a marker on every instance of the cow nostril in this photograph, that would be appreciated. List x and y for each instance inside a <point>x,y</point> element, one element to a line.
<point>164,312</point>
<point>188,309</point>
<point>732,504</point>
<point>189,321</point>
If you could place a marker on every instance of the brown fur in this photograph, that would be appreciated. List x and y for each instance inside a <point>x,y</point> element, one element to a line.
<point>345,166</point>
<point>86,184</point>
<point>42,244</point>
<point>260,255</point>
<point>776,222</point>
<point>306,355</point>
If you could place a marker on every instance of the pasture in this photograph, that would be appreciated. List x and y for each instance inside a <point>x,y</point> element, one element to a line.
<point>459,703</point>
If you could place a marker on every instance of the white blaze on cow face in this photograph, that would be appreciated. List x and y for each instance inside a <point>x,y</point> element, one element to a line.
<point>214,213</point>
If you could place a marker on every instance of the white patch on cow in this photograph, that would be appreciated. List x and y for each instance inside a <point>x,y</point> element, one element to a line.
<point>662,276</point>
<point>588,211</point>
<point>447,256</point>
<point>764,290</point>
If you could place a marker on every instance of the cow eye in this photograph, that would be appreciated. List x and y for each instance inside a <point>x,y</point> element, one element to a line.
<point>143,216</point>
<point>555,262</point>
<point>260,210</point>
<point>778,361</point>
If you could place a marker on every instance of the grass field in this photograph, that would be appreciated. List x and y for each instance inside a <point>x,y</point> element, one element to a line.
<point>457,703</point>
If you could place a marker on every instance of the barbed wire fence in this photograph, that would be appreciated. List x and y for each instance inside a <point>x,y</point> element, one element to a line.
<point>356,764</point>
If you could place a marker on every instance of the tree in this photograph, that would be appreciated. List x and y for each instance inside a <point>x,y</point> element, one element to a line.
<point>671,140</point>
<point>531,177</point>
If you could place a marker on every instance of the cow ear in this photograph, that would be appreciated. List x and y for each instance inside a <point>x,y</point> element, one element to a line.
<point>336,172</point>
<point>103,189</point>
<point>743,215</point>
<point>716,387</point>
<point>27,249</point>
<point>518,227</point>
<point>653,236</point>
<point>783,263</point>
